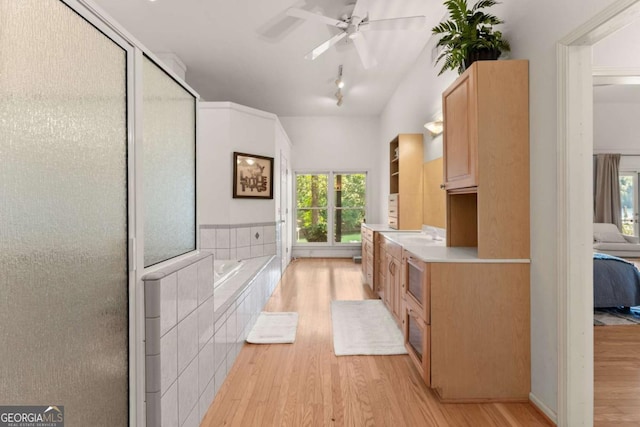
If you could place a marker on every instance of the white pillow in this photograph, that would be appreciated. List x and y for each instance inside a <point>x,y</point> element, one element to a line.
<point>609,237</point>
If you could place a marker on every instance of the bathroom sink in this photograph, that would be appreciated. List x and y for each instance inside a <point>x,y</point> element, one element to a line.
<point>418,239</point>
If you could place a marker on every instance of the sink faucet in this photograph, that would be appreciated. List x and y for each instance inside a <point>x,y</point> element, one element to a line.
<point>432,232</point>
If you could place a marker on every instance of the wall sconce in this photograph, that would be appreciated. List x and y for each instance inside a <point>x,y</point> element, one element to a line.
<point>436,127</point>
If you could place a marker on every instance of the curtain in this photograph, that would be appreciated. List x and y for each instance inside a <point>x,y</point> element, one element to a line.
<point>607,197</point>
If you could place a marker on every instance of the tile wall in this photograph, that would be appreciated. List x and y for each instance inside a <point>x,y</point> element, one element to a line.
<point>239,241</point>
<point>191,344</point>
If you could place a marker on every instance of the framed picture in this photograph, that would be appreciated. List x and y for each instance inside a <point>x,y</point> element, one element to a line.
<point>252,176</point>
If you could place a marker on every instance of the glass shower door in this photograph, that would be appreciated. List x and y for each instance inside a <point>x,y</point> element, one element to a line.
<point>63,214</point>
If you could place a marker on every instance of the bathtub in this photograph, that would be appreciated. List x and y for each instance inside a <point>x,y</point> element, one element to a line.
<point>224,269</point>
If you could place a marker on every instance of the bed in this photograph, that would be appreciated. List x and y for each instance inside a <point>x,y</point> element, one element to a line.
<point>616,282</point>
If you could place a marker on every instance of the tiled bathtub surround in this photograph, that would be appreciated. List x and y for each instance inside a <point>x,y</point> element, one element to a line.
<point>194,336</point>
<point>239,241</point>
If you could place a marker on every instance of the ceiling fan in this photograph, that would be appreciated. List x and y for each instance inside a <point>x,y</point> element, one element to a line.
<point>351,24</point>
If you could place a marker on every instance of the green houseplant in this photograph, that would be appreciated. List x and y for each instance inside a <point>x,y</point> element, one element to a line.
<point>468,35</point>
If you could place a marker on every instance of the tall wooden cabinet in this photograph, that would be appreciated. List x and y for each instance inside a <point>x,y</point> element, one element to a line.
<point>466,318</point>
<point>486,159</point>
<point>405,181</point>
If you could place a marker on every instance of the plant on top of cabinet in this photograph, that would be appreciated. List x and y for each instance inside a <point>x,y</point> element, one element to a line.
<point>468,35</point>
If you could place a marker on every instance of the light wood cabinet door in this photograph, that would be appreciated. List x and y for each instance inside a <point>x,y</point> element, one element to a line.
<point>365,253</point>
<point>460,139</point>
<point>396,285</point>
<point>382,272</point>
<point>388,283</point>
<point>417,341</point>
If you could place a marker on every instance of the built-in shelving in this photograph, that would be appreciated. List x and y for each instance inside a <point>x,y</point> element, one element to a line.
<point>405,189</point>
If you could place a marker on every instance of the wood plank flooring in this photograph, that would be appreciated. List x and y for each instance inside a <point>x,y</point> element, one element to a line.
<point>305,384</point>
<point>617,376</point>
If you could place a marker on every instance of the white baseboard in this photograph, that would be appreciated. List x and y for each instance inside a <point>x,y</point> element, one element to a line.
<point>326,252</point>
<point>543,408</point>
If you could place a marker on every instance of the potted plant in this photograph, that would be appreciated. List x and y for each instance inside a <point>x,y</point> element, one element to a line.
<point>468,35</point>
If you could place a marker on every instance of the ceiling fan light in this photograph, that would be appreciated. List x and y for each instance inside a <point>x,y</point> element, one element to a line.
<point>340,82</point>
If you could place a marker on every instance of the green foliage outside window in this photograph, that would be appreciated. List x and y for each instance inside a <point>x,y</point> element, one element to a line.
<point>626,204</point>
<point>349,201</point>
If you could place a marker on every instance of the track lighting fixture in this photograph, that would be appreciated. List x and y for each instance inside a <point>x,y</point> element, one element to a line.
<point>340,84</point>
<point>339,81</point>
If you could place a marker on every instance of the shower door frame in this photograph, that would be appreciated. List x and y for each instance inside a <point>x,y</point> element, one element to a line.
<point>135,52</point>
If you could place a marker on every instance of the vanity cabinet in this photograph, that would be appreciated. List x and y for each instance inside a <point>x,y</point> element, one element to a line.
<point>368,270</point>
<point>486,159</point>
<point>416,313</point>
<point>391,254</point>
<point>466,327</point>
<point>378,261</point>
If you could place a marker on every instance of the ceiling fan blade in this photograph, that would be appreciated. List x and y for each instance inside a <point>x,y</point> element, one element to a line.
<point>310,16</point>
<point>324,46</point>
<point>408,23</point>
<point>363,51</point>
<point>361,9</point>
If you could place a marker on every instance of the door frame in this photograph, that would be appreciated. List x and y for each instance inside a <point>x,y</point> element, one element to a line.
<point>574,199</point>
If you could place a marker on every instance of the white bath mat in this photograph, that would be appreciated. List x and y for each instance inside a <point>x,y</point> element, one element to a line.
<point>364,328</point>
<point>274,328</point>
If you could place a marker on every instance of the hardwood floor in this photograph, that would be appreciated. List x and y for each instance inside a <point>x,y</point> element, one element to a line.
<point>305,384</point>
<point>617,376</point>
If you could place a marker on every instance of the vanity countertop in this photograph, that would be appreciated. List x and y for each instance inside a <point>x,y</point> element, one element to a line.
<point>386,228</point>
<point>427,249</point>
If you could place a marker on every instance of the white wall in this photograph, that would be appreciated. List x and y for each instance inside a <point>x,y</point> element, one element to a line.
<point>619,49</point>
<point>533,28</point>
<point>337,144</point>
<point>344,144</point>
<point>615,128</point>
<point>222,129</point>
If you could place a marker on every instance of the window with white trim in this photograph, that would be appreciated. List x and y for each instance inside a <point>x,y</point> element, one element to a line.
<point>330,207</point>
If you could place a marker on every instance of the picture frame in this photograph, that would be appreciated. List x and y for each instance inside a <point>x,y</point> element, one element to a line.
<point>252,176</point>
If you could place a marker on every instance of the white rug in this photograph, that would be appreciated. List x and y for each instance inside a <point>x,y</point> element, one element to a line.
<point>364,328</point>
<point>274,328</point>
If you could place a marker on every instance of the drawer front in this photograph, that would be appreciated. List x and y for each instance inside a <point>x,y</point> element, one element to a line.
<point>418,286</point>
<point>393,206</point>
<point>393,222</point>
<point>393,249</point>
<point>417,340</point>
<point>367,234</point>
<point>368,247</point>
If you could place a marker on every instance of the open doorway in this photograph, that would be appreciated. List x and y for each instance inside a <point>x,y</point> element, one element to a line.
<point>616,108</point>
<point>575,207</point>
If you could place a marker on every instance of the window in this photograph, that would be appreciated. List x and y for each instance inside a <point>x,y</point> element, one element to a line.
<point>342,212</point>
<point>628,202</point>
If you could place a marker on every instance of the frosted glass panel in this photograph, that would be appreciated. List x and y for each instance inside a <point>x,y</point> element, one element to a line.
<point>169,167</point>
<point>63,214</point>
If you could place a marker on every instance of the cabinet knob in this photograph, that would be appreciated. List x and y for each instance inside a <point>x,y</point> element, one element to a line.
<point>442,186</point>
